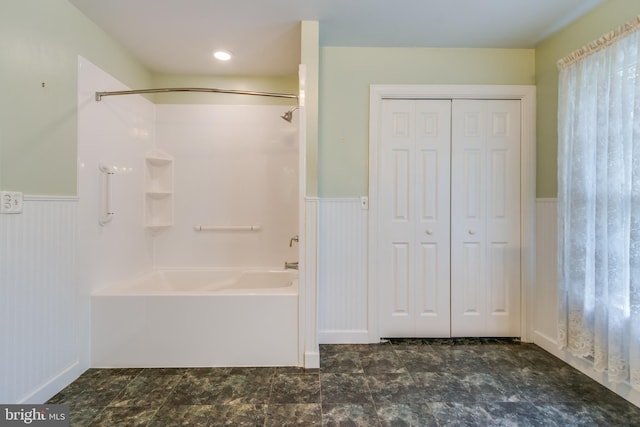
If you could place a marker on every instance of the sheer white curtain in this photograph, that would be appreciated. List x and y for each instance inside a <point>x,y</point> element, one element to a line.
<point>599,203</point>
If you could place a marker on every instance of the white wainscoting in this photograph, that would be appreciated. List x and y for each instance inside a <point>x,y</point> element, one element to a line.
<point>545,318</point>
<point>39,350</point>
<point>545,312</point>
<point>342,292</point>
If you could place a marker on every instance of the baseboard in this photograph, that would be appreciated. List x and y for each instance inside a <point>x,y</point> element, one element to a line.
<point>546,342</point>
<point>344,337</point>
<point>311,360</point>
<point>586,367</point>
<point>54,385</point>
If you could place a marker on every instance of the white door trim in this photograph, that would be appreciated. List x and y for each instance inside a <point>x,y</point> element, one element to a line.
<point>527,96</point>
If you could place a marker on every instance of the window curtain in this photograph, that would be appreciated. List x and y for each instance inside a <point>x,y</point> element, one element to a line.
<point>599,203</point>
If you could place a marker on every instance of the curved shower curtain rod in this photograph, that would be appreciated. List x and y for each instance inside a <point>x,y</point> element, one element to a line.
<point>99,95</point>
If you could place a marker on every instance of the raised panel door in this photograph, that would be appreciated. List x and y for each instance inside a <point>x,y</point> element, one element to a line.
<point>413,230</point>
<point>485,218</point>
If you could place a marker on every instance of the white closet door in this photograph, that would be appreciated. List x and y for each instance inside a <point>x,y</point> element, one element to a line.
<point>414,219</point>
<point>485,217</point>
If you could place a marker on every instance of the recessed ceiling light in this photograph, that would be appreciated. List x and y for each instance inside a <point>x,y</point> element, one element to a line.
<point>222,55</point>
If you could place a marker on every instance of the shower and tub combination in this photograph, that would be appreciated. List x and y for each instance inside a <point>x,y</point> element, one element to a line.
<point>215,283</point>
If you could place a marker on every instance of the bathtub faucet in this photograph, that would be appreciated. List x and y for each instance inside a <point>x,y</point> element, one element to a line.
<point>293,239</point>
<point>293,265</point>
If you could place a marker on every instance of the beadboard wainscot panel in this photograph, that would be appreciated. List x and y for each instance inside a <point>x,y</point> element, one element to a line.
<point>342,274</point>
<point>545,317</point>
<point>40,352</point>
<point>545,313</point>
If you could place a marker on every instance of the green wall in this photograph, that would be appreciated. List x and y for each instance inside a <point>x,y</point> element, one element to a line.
<point>606,17</point>
<point>40,41</point>
<point>310,57</point>
<point>347,73</point>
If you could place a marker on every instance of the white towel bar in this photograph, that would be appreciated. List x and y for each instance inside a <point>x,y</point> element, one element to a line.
<point>226,227</point>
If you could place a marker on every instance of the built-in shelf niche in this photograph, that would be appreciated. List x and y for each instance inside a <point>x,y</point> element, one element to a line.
<point>158,199</point>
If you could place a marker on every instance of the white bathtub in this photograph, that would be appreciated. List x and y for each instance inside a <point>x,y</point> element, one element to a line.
<point>191,318</point>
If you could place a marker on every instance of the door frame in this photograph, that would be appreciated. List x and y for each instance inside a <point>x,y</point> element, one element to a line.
<point>527,96</point>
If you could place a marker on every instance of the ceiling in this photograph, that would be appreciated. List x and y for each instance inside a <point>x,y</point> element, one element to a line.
<point>179,36</point>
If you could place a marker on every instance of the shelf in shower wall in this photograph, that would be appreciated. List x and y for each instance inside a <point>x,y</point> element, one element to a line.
<point>159,194</point>
<point>159,161</point>
<point>158,226</point>
<point>158,200</point>
<point>159,174</point>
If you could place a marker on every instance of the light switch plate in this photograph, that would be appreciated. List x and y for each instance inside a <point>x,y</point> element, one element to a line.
<point>10,202</point>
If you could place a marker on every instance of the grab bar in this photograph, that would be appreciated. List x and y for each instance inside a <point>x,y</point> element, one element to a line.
<point>226,227</point>
<point>106,215</point>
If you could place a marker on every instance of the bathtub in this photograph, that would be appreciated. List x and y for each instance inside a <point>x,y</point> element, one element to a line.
<point>197,318</point>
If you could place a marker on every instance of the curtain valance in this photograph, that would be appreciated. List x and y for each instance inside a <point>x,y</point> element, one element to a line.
<point>601,43</point>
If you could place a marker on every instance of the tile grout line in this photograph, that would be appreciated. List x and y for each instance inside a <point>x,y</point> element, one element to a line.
<point>166,397</point>
<point>373,402</point>
<point>320,391</point>
<point>105,407</point>
<point>267,406</point>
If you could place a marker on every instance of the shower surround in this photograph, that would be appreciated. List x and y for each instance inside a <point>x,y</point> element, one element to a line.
<point>233,166</point>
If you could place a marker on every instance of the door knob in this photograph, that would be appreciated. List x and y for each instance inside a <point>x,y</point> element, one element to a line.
<point>471,232</point>
<point>429,231</point>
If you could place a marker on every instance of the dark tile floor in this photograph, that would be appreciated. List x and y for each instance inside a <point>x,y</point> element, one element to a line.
<point>402,383</point>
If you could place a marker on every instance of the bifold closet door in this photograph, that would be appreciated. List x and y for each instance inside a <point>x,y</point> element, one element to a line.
<point>414,219</point>
<point>485,218</point>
